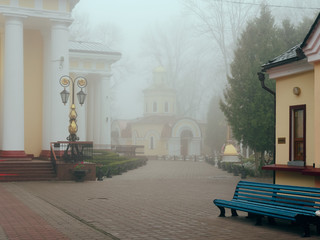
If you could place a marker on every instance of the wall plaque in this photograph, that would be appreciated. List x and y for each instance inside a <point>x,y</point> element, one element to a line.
<point>282,140</point>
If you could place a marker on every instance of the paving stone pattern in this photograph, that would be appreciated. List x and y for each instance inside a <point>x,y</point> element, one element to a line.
<point>162,200</point>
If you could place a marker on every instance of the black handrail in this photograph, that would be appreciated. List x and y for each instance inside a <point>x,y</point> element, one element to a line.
<point>53,158</point>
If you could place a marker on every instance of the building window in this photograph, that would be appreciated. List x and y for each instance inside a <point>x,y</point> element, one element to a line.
<point>166,107</point>
<point>155,107</point>
<point>151,143</point>
<point>298,133</point>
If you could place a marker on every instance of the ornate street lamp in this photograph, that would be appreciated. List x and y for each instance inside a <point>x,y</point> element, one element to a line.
<point>65,82</point>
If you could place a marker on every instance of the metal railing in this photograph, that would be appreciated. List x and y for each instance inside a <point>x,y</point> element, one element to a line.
<point>71,151</point>
<point>53,158</point>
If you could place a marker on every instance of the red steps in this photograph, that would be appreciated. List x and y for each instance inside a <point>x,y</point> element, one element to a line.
<point>22,170</point>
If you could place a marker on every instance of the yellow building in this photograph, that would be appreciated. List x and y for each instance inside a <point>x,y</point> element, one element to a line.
<point>161,132</point>
<point>297,75</point>
<point>35,52</point>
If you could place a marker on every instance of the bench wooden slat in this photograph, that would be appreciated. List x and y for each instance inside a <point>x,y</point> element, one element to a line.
<point>277,194</point>
<point>258,209</point>
<point>261,205</point>
<point>282,206</point>
<point>302,193</point>
<point>278,186</point>
<point>285,204</point>
<point>282,199</point>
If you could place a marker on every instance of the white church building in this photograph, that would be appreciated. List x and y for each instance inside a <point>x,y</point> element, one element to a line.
<point>35,52</point>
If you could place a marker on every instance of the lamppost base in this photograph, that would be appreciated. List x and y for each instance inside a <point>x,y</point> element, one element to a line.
<point>72,138</point>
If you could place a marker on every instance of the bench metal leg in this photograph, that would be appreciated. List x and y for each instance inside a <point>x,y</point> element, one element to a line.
<point>222,212</point>
<point>234,213</point>
<point>259,220</point>
<point>272,221</point>
<point>304,222</point>
<point>306,230</point>
<point>318,228</point>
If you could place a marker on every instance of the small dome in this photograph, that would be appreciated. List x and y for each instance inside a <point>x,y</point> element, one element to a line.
<point>159,69</point>
<point>230,150</point>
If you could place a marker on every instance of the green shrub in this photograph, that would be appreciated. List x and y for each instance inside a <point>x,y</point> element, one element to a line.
<point>110,163</point>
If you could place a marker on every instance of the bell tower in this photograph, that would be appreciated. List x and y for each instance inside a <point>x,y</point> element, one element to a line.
<point>159,98</point>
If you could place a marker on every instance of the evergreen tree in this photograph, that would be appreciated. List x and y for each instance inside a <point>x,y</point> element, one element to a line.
<point>247,107</point>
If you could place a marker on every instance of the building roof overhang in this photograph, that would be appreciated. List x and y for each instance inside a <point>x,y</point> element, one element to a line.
<point>309,49</point>
<point>93,53</point>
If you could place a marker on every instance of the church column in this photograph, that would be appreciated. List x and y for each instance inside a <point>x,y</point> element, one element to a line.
<point>56,64</point>
<point>90,108</point>
<point>13,89</point>
<point>97,111</point>
<point>59,67</point>
<point>46,93</point>
<point>105,134</point>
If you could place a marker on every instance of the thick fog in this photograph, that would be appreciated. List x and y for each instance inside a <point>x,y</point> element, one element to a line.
<point>173,33</point>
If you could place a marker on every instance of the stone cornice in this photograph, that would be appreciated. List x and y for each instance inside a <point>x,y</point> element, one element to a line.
<point>38,13</point>
<point>108,58</point>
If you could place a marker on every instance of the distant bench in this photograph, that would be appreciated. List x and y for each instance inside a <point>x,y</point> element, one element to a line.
<point>298,204</point>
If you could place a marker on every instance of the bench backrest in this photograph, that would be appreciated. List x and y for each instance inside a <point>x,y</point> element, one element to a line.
<point>304,198</point>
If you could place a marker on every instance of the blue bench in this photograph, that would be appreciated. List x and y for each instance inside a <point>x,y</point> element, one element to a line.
<point>297,204</point>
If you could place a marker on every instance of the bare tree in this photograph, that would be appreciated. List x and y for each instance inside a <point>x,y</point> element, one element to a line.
<point>222,21</point>
<point>185,57</point>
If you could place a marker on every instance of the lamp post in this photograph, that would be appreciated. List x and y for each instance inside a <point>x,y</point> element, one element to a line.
<point>66,81</point>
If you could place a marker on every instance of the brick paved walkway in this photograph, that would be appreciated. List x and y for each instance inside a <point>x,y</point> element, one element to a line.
<point>162,200</point>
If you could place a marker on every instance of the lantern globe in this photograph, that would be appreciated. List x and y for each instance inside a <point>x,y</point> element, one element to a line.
<point>81,97</point>
<point>64,96</point>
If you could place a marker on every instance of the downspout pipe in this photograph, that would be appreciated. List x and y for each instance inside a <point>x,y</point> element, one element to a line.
<point>261,77</point>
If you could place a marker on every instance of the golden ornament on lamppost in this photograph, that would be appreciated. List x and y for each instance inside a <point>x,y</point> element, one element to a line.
<point>82,82</point>
<point>73,128</point>
<point>73,114</point>
<point>64,82</point>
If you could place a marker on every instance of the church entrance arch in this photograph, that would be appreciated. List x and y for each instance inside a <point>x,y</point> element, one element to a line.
<point>185,141</point>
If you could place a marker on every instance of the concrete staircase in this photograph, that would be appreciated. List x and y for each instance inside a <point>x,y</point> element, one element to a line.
<point>26,170</point>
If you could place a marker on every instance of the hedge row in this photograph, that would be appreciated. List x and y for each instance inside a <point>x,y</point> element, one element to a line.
<point>237,169</point>
<point>109,163</point>
<point>118,167</point>
<point>244,168</point>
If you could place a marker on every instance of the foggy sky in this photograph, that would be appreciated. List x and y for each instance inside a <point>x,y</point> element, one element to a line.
<point>134,17</point>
